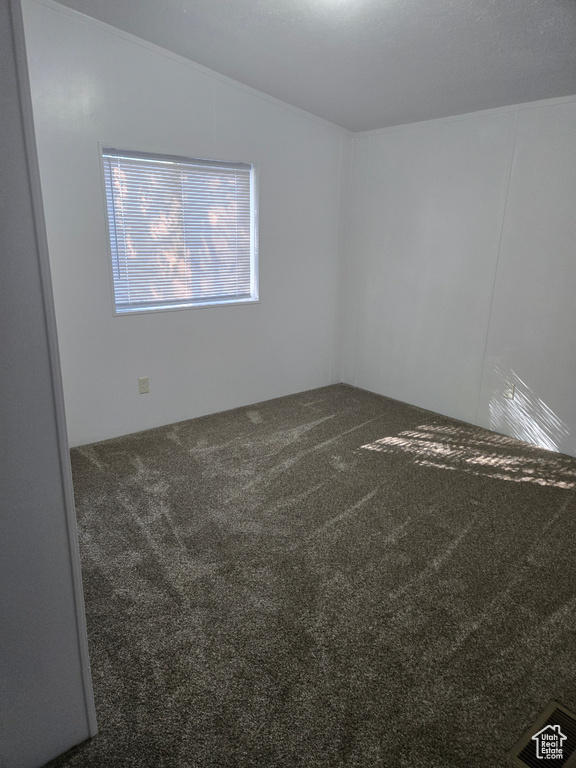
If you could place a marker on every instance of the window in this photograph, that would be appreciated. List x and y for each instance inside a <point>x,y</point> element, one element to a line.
<point>182,232</point>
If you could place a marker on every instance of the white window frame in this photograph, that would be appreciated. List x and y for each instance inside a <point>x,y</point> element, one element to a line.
<point>166,306</point>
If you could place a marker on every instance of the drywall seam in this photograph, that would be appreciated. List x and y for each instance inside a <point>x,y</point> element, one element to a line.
<point>335,319</point>
<point>344,270</point>
<point>52,343</point>
<point>354,334</point>
<point>502,223</point>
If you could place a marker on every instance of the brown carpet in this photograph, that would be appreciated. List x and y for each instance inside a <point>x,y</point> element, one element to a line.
<point>325,580</point>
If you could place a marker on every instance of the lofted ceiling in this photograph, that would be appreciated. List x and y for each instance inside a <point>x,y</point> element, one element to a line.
<point>365,64</point>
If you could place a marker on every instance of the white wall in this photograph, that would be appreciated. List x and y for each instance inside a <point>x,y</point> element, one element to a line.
<point>45,691</point>
<point>462,268</point>
<point>92,83</point>
<point>453,277</point>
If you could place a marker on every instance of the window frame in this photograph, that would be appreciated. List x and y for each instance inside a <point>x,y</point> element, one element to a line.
<point>103,148</point>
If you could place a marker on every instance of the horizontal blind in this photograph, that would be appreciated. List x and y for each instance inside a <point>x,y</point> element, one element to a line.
<point>180,231</point>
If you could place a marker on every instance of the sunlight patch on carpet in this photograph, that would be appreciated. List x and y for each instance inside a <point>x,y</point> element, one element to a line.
<point>467,449</point>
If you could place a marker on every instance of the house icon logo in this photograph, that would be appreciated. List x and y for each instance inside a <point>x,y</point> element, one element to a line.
<point>549,743</point>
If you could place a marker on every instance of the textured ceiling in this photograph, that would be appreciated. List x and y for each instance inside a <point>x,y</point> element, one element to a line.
<point>366,64</point>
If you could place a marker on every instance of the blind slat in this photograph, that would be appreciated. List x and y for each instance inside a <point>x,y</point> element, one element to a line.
<point>181,232</point>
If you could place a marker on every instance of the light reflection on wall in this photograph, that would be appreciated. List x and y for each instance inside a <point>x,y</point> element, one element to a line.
<point>526,417</point>
<point>472,450</point>
<point>80,97</point>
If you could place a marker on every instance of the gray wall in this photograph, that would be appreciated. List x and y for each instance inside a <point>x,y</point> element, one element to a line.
<point>462,269</point>
<point>45,694</point>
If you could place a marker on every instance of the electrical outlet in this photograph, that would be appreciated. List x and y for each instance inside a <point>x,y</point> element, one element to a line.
<point>143,385</point>
<point>509,390</point>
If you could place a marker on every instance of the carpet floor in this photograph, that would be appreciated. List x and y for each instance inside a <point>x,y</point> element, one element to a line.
<point>327,580</point>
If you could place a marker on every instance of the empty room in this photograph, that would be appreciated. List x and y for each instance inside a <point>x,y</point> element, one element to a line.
<point>288,418</point>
